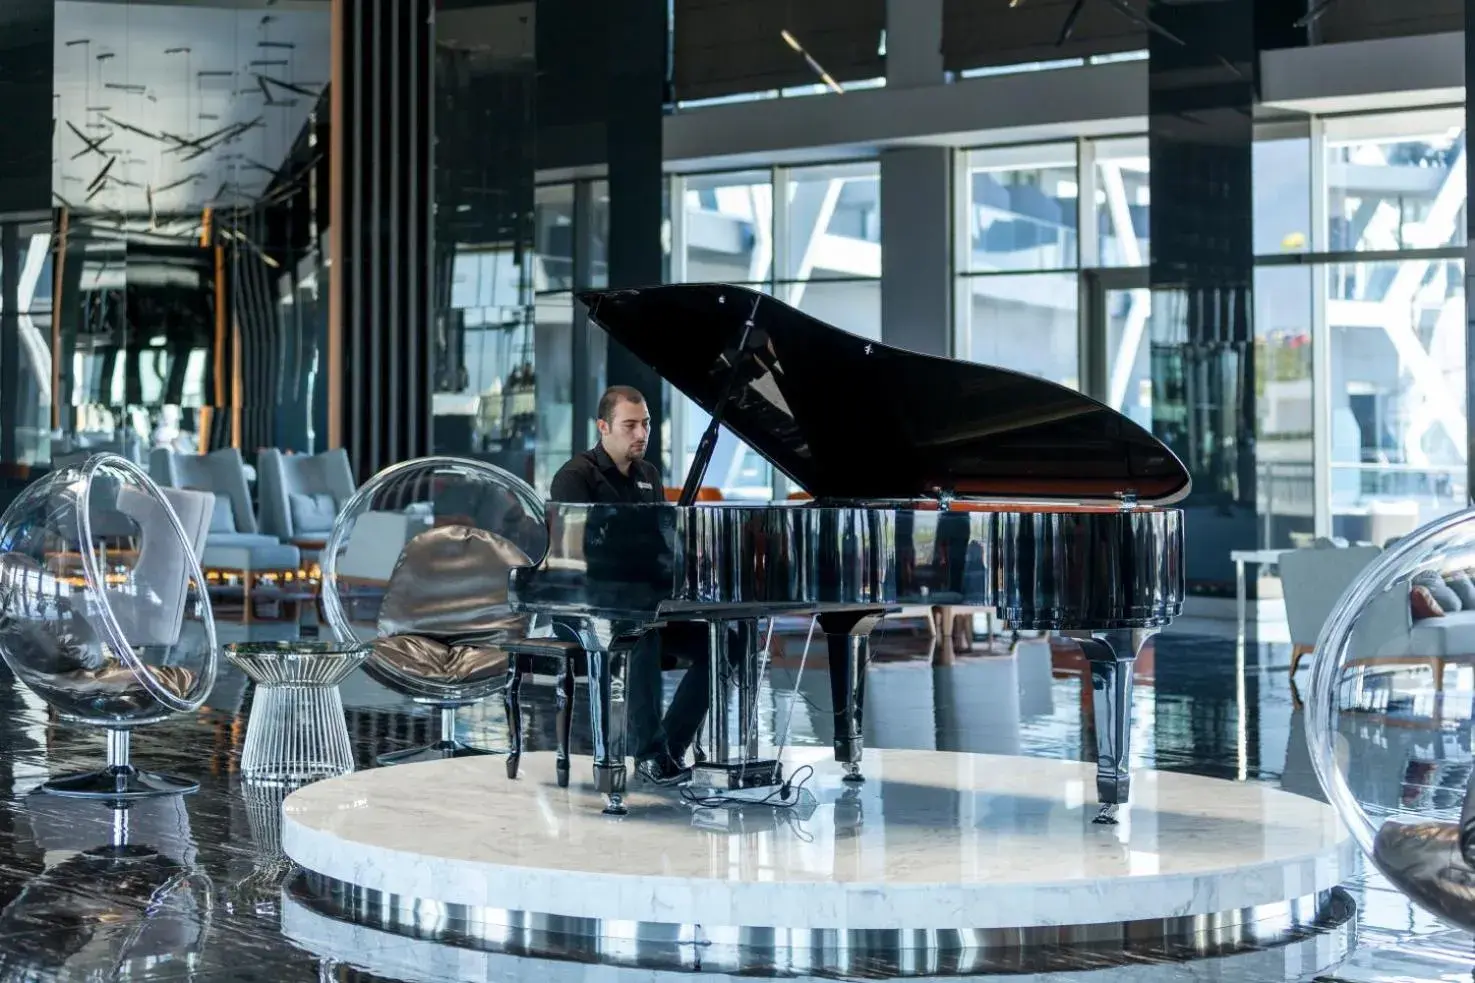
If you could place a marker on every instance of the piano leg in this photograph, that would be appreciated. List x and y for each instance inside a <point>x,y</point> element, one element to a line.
<point>512,700</point>
<point>848,637</point>
<point>1111,655</point>
<point>607,716</point>
<point>719,684</point>
<point>564,720</point>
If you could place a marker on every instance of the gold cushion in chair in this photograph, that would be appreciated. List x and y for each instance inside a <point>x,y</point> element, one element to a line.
<point>428,660</point>
<point>451,583</point>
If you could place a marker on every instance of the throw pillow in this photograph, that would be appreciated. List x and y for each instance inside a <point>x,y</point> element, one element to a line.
<point>312,514</point>
<point>1464,588</point>
<point>1422,605</point>
<point>1448,600</point>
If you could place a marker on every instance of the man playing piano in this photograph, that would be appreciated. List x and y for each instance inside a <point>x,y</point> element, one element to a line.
<point>615,471</point>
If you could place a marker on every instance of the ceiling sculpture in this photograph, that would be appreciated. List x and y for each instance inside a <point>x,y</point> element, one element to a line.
<point>164,109</point>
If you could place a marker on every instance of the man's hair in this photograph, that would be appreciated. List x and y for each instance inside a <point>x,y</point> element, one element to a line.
<point>614,396</point>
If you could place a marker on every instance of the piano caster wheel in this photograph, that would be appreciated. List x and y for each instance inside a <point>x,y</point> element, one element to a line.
<point>852,773</point>
<point>615,805</point>
<point>563,776</point>
<point>512,762</point>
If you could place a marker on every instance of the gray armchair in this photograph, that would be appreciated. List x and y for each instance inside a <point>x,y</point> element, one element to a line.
<point>235,546</point>
<point>301,495</point>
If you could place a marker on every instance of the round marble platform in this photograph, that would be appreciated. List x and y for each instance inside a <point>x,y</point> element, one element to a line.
<point>931,843</point>
<point>342,941</point>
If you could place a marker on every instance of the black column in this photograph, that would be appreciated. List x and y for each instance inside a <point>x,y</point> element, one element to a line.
<point>10,266</point>
<point>26,57</point>
<point>382,159</point>
<point>26,66</point>
<point>1201,97</point>
<point>636,92</point>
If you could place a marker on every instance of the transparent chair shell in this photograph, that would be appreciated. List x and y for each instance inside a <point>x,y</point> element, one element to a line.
<point>1389,717</point>
<point>104,612</point>
<point>418,564</point>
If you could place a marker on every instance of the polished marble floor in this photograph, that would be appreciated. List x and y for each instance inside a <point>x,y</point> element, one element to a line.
<point>200,895</point>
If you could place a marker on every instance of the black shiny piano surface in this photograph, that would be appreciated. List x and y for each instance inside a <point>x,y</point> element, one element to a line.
<point>933,482</point>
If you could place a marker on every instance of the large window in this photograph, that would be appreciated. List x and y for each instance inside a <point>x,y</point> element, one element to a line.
<point>810,236</point>
<point>1122,202</point>
<point>530,384</point>
<point>1281,168</point>
<point>1024,321</point>
<point>1358,364</point>
<point>1395,181</point>
<point>553,220</point>
<point>1021,205</point>
<point>1018,308</point>
<point>1285,484</point>
<point>726,228</point>
<point>1397,390</point>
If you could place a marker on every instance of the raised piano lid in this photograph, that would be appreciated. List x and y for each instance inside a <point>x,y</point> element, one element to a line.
<point>852,419</point>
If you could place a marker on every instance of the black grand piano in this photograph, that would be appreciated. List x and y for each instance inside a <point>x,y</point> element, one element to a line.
<point>933,482</point>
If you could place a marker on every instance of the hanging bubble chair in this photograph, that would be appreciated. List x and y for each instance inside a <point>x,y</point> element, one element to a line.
<point>104,612</point>
<point>418,565</point>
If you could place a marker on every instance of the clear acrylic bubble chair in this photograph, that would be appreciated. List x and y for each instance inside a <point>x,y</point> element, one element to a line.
<point>418,565</point>
<point>1389,708</point>
<point>104,612</point>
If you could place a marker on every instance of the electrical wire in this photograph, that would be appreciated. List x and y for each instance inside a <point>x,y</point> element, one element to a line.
<point>786,796</point>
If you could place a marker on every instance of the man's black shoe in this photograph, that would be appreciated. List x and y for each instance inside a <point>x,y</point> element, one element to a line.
<point>662,769</point>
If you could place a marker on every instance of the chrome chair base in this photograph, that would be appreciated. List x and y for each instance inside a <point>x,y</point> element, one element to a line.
<point>439,751</point>
<point>121,782</point>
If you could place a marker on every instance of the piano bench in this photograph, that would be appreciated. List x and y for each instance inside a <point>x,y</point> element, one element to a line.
<point>544,656</point>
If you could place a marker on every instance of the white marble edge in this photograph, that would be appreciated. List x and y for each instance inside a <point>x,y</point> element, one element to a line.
<point>817,904</point>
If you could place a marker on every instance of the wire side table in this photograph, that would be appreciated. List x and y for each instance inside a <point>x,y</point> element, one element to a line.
<point>296,732</point>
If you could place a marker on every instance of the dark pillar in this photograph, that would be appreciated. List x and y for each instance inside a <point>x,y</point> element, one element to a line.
<point>381,302</point>
<point>10,267</point>
<point>26,68</point>
<point>916,248</point>
<point>1201,98</point>
<point>635,93</point>
<point>26,56</point>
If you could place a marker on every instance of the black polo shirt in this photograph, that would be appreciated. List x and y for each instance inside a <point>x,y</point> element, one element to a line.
<point>592,477</point>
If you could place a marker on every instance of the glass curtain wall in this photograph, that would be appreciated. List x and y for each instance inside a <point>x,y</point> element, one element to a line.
<point>1018,251</point>
<point>1394,190</point>
<point>1359,304</point>
<point>810,236</point>
<point>571,223</point>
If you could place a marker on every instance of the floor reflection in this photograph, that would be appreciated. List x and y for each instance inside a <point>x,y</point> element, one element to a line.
<point>191,889</point>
